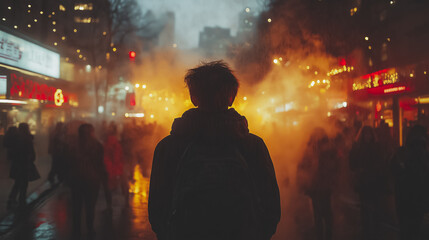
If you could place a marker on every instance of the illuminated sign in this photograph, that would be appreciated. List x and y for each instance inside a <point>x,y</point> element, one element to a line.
<point>59,97</point>
<point>395,89</point>
<point>3,86</point>
<point>24,88</point>
<point>376,79</point>
<point>23,54</point>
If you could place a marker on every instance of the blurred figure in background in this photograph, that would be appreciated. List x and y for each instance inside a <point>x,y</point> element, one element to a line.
<point>410,167</point>
<point>87,171</point>
<point>56,149</point>
<point>22,169</point>
<point>11,143</point>
<point>366,166</point>
<point>317,176</point>
<point>113,160</point>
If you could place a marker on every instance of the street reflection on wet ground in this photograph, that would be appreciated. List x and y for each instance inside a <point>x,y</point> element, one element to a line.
<point>52,219</point>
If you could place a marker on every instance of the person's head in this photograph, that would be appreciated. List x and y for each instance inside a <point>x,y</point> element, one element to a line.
<point>417,137</point>
<point>212,85</point>
<point>367,135</point>
<point>24,128</point>
<point>86,131</point>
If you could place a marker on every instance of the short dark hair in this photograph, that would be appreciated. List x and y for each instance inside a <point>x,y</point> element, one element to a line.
<point>213,84</point>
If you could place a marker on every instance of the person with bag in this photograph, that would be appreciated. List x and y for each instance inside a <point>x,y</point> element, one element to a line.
<point>22,169</point>
<point>211,178</point>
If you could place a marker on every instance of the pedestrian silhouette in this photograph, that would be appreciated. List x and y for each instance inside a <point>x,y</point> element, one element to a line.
<point>86,174</point>
<point>21,152</point>
<point>113,160</point>
<point>317,176</point>
<point>411,174</point>
<point>211,178</point>
<point>57,150</point>
<point>366,166</point>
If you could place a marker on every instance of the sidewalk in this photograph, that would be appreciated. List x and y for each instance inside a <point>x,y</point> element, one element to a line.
<point>51,219</point>
<point>43,164</point>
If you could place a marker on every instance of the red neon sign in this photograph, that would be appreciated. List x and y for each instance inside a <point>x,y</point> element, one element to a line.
<point>28,89</point>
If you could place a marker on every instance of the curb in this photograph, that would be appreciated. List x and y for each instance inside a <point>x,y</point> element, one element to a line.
<point>34,200</point>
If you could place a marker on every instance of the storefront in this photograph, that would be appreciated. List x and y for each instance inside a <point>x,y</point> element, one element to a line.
<point>393,95</point>
<point>31,90</point>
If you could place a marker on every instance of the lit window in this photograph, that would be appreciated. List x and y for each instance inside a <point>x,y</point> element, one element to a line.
<point>85,20</point>
<point>83,6</point>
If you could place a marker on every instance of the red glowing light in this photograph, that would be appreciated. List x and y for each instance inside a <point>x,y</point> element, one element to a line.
<point>371,75</point>
<point>378,107</point>
<point>132,55</point>
<point>130,100</point>
<point>343,62</point>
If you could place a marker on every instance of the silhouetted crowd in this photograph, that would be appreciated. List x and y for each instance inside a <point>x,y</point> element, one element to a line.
<point>80,161</point>
<point>377,169</point>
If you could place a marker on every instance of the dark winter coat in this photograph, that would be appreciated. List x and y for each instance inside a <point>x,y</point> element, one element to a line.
<point>86,164</point>
<point>11,143</point>
<point>22,166</point>
<point>211,127</point>
<point>366,163</point>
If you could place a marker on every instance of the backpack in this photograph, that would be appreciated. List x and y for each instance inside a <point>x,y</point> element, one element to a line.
<point>214,196</point>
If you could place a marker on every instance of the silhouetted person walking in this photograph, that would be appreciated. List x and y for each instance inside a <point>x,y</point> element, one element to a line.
<point>411,173</point>
<point>211,178</point>
<point>57,148</point>
<point>318,173</point>
<point>366,166</point>
<point>113,160</point>
<point>86,173</point>
<point>22,169</point>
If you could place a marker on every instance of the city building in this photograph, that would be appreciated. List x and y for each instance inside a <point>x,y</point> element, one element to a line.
<point>215,41</point>
<point>31,88</point>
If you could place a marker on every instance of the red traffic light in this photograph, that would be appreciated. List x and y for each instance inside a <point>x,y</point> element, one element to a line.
<point>132,54</point>
<point>130,100</point>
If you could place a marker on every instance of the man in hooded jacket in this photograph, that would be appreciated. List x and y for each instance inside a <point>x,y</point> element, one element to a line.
<point>212,88</point>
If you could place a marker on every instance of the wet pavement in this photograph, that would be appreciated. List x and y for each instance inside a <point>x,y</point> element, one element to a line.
<point>52,219</point>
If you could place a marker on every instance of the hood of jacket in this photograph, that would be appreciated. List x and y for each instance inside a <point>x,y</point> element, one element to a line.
<point>211,125</point>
